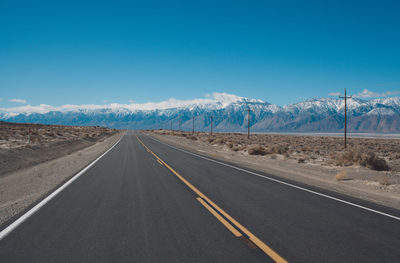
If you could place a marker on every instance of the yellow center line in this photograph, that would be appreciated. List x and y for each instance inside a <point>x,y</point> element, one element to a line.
<point>260,244</point>
<point>219,217</point>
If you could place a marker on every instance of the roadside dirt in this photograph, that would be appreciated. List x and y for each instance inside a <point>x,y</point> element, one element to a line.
<point>21,188</point>
<point>381,187</point>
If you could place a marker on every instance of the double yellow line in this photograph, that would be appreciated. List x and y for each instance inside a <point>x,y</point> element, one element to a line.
<point>229,222</point>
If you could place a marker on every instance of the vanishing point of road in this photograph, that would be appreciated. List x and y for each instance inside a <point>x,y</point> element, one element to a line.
<point>145,201</point>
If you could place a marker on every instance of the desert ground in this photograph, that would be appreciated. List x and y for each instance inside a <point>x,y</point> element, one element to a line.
<point>369,168</point>
<point>375,154</point>
<point>23,145</point>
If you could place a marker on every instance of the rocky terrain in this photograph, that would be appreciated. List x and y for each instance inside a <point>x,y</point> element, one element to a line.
<point>24,145</point>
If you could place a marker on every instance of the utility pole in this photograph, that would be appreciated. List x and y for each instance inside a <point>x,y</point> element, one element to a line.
<point>179,121</point>
<point>248,122</point>
<point>345,116</point>
<point>171,125</point>
<point>211,124</point>
<point>193,126</point>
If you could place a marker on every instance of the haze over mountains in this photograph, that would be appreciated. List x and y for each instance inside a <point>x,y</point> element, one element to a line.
<point>229,114</point>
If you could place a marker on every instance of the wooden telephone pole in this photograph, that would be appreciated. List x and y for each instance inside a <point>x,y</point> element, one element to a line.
<point>211,124</point>
<point>345,116</point>
<point>248,122</point>
<point>193,125</point>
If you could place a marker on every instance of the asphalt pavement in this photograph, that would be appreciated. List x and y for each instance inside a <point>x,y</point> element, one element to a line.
<point>160,204</point>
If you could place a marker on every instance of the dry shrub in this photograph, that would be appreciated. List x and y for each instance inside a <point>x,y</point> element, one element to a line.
<point>256,149</point>
<point>340,176</point>
<point>394,156</point>
<point>50,134</point>
<point>235,148</point>
<point>276,149</point>
<point>375,163</point>
<point>384,180</point>
<point>204,139</point>
<point>218,141</point>
<point>193,138</point>
<point>305,149</point>
<point>301,160</point>
<point>229,145</point>
<point>34,140</point>
<point>347,158</point>
<point>356,156</point>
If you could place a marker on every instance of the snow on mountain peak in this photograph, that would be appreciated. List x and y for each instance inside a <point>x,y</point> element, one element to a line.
<point>215,100</point>
<point>381,111</point>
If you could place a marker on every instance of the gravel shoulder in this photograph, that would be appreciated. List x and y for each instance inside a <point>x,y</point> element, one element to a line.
<point>359,182</point>
<point>22,188</point>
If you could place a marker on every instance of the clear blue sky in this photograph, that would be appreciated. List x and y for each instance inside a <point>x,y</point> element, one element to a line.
<point>57,52</point>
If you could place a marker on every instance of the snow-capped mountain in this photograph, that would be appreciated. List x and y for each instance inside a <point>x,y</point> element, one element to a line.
<point>229,113</point>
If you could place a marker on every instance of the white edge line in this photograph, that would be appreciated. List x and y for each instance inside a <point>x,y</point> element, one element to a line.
<point>34,209</point>
<point>281,182</point>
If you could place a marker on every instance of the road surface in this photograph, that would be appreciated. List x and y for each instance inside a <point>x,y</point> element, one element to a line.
<point>145,201</point>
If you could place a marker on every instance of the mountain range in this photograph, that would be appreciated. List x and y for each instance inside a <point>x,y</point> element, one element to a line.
<point>228,113</point>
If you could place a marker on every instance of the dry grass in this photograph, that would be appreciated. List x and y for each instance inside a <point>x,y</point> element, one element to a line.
<point>384,180</point>
<point>375,154</point>
<point>340,176</point>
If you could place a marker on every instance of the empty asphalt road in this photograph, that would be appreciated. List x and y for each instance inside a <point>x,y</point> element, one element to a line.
<point>145,201</point>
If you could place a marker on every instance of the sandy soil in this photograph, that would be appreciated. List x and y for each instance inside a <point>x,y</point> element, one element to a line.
<point>354,179</point>
<point>23,145</point>
<point>21,188</point>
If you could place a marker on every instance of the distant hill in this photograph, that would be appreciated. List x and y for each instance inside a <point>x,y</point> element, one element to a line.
<point>316,115</point>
